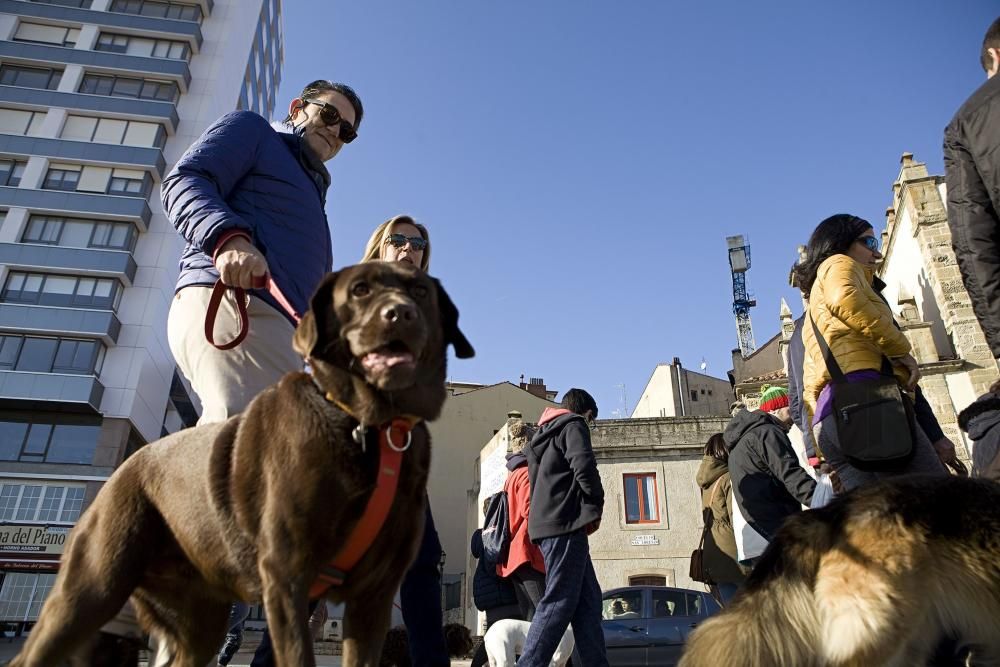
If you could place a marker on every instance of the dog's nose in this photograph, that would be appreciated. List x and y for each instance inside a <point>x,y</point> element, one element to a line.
<point>399,312</point>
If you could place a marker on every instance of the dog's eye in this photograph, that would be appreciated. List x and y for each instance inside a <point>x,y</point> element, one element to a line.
<point>360,289</point>
<point>418,291</point>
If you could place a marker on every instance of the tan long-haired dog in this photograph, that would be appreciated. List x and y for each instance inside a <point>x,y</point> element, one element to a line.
<point>877,577</point>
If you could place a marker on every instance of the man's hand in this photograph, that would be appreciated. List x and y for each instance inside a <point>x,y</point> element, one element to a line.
<point>945,449</point>
<point>910,364</point>
<point>240,264</point>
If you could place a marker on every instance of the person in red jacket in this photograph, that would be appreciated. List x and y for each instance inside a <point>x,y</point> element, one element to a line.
<point>523,565</point>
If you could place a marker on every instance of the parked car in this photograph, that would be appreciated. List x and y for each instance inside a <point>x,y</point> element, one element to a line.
<point>647,625</point>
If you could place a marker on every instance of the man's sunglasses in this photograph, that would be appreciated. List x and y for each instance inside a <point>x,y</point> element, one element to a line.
<point>870,242</point>
<point>330,117</point>
<point>400,240</point>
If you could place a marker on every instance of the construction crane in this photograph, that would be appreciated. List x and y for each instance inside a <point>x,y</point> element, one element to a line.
<point>739,262</point>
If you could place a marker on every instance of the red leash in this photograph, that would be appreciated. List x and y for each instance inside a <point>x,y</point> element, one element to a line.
<point>368,526</point>
<point>219,291</point>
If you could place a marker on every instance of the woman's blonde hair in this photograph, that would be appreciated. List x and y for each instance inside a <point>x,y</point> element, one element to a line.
<point>373,250</point>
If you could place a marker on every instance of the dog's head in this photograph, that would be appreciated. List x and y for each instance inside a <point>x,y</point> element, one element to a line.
<point>380,331</point>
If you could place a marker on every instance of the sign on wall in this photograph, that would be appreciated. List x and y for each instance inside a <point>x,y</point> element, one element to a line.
<point>33,539</point>
<point>645,540</point>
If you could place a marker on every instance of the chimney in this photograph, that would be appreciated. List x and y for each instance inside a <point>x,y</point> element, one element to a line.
<point>677,362</point>
<point>535,387</point>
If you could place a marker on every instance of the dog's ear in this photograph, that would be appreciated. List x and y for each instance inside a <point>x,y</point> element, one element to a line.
<point>319,327</point>
<point>449,324</point>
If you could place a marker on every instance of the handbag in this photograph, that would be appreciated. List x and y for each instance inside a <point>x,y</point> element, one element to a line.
<point>696,570</point>
<point>874,418</point>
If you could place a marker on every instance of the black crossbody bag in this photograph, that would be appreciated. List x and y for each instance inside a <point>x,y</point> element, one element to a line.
<point>875,419</point>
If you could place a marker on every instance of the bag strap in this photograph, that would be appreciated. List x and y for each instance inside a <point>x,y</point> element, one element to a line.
<point>707,509</point>
<point>832,366</point>
<point>836,374</point>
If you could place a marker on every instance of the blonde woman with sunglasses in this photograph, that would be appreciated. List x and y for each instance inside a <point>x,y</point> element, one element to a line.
<point>400,239</point>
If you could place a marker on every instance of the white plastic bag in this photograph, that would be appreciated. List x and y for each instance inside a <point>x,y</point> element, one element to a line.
<point>749,543</point>
<point>823,493</point>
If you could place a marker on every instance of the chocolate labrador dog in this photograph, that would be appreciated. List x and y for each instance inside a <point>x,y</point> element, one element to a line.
<point>251,508</point>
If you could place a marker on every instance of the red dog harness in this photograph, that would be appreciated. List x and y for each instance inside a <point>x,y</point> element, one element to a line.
<point>393,439</point>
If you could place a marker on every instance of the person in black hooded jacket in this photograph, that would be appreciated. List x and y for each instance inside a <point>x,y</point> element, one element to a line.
<point>981,421</point>
<point>769,485</point>
<point>972,173</point>
<point>567,500</point>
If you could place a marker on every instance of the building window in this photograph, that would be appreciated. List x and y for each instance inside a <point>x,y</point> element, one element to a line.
<point>123,86</point>
<point>38,442</point>
<point>15,121</point>
<point>61,291</point>
<point>39,33</point>
<point>101,180</point>
<point>77,233</point>
<point>11,172</point>
<point>709,392</point>
<point>30,77</point>
<point>82,4</point>
<point>143,46</point>
<point>51,355</point>
<point>41,502</point>
<point>114,131</point>
<point>23,593</point>
<point>158,8</point>
<point>113,236</point>
<point>694,395</point>
<point>62,179</point>
<point>647,580</point>
<point>129,182</point>
<point>641,498</point>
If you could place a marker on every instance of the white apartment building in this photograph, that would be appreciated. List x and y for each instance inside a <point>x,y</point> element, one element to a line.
<point>98,99</point>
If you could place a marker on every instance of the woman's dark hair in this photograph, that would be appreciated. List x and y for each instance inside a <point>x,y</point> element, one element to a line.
<point>322,86</point>
<point>716,448</point>
<point>833,236</point>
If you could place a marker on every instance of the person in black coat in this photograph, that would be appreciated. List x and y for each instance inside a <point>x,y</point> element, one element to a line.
<point>769,485</point>
<point>972,173</point>
<point>981,421</point>
<point>491,593</point>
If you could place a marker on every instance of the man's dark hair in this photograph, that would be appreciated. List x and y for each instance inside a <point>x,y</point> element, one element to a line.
<point>323,86</point>
<point>991,41</point>
<point>833,236</point>
<point>579,401</point>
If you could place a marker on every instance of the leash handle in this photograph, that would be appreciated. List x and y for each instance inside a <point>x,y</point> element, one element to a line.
<point>240,294</point>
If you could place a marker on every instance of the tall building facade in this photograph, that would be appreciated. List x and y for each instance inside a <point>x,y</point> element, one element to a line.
<point>98,99</point>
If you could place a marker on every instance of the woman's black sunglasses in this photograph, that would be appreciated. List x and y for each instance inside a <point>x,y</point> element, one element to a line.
<point>870,242</point>
<point>330,116</point>
<point>400,240</point>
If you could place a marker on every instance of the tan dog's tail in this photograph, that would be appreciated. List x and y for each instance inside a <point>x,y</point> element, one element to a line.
<point>778,624</point>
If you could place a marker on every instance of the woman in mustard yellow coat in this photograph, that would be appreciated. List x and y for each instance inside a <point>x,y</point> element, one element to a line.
<point>837,277</point>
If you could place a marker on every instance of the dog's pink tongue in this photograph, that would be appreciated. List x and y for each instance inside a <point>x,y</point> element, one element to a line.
<point>378,362</point>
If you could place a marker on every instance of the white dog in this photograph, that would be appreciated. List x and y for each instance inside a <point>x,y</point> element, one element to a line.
<point>505,640</point>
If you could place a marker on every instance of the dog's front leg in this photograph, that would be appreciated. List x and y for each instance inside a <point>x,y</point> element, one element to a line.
<point>366,620</point>
<point>286,603</point>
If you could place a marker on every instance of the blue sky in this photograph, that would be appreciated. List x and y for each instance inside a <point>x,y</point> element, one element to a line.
<point>579,164</point>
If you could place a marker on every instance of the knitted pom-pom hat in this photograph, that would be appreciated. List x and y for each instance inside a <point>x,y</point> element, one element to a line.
<point>772,398</point>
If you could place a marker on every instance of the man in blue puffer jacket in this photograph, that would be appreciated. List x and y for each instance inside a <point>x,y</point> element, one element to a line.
<point>248,197</point>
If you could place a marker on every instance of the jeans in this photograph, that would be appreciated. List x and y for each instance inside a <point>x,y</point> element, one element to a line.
<point>420,602</point>
<point>234,636</point>
<point>572,595</point>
